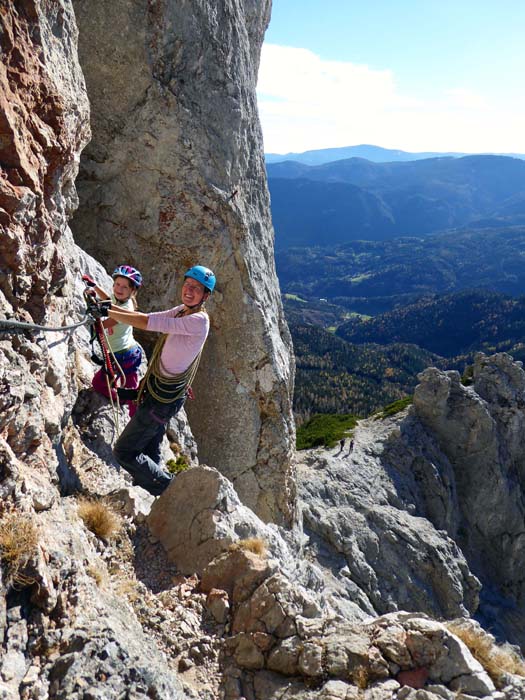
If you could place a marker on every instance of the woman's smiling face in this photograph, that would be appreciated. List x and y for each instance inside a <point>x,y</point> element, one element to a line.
<point>192,292</point>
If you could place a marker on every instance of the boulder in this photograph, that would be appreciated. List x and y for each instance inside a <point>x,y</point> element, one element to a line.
<point>236,571</point>
<point>198,517</point>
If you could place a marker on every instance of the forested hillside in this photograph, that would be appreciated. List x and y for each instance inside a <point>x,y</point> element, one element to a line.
<point>448,325</point>
<point>374,276</point>
<point>367,316</point>
<point>434,297</point>
<point>334,376</point>
<point>373,361</point>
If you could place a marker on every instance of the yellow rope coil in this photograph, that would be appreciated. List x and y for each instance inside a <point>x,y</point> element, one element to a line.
<point>166,388</point>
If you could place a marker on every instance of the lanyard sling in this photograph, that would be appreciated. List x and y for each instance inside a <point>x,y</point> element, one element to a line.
<point>162,386</point>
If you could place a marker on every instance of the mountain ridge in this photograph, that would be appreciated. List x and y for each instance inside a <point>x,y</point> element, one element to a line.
<point>321,203</point>
<point>376,154</point>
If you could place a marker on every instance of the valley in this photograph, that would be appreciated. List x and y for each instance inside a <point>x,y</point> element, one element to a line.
<point>368,313</point>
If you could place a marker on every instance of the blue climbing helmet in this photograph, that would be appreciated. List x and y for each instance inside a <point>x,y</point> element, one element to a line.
<point>130,272</point>
<point>203,275</point>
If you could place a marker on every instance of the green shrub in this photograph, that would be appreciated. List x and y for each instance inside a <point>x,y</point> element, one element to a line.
<point>178,465</point>
<point>467,378</point>
<point>325,430</point>
<point>393,408</point>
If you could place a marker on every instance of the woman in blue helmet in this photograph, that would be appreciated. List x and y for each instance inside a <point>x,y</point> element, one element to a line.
<point>126,282</point>
<point>170,372</point>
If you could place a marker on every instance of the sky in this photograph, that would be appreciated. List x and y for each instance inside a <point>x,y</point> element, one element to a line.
<point>416,75</point>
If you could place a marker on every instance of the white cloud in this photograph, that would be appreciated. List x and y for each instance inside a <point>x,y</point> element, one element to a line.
<point>306,102</point>
<point>466,99</point>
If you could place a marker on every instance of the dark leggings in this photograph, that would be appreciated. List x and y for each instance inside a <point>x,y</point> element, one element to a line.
<point>138,448</point>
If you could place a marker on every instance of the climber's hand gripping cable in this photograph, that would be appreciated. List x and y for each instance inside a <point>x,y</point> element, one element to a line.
<point>88,281</point>
<point>96,308</point>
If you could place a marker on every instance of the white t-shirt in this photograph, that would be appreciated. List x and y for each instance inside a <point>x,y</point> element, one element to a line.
<point>120,336</point>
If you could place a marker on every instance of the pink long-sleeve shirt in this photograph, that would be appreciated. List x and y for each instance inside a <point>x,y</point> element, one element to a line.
<point>186,336</point>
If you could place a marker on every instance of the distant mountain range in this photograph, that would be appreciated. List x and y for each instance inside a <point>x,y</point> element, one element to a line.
<point>410,260</point>
<point>376,154</point>
<point>356,199</point>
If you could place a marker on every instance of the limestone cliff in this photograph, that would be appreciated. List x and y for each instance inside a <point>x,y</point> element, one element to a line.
<point>174,176</point>
<point>44,122</point>
<point>427,512</point>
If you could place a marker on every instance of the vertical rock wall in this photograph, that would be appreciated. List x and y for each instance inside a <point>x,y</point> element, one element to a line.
<point>44,124</point>
<point>175,176</point>
<point>480,430</point>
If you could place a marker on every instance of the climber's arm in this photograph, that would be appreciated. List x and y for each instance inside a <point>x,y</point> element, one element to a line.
<point>133,318</point>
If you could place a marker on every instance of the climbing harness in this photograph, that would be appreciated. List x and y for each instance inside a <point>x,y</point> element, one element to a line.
<point>163,387</point>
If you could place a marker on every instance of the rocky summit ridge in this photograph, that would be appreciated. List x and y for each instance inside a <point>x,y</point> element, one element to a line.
<point>393,572</point>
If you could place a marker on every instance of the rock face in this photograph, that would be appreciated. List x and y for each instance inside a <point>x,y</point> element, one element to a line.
<point>175,176</point>
<point>480,429</point>
<point>78,638</point>
<point>385,551</point>
<point>282,633</point>
<point>200,517</point>
<point>427,512</point>
<point>43,126</point>
<point>60,634</point>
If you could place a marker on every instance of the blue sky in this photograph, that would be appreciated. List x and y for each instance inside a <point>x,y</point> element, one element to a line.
<point>423,75</point>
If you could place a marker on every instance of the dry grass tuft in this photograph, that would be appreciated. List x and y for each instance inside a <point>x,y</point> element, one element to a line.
<point>495,659</point>
<point>100,518</point>
<point>251,544</point>
<point>18,543</point>
<point>98,575</point>
<point>128,588</point>
<point>361,677</point>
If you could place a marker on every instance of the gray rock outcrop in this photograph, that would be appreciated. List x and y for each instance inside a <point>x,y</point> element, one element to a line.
<point>175,176</point>
<point>428,511</point>
<point>61,635</point>
<point>282,633</point>
<point>372,538</point>
<point>79,640</point>
<point>199,517</point>
<point>480,429</point>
